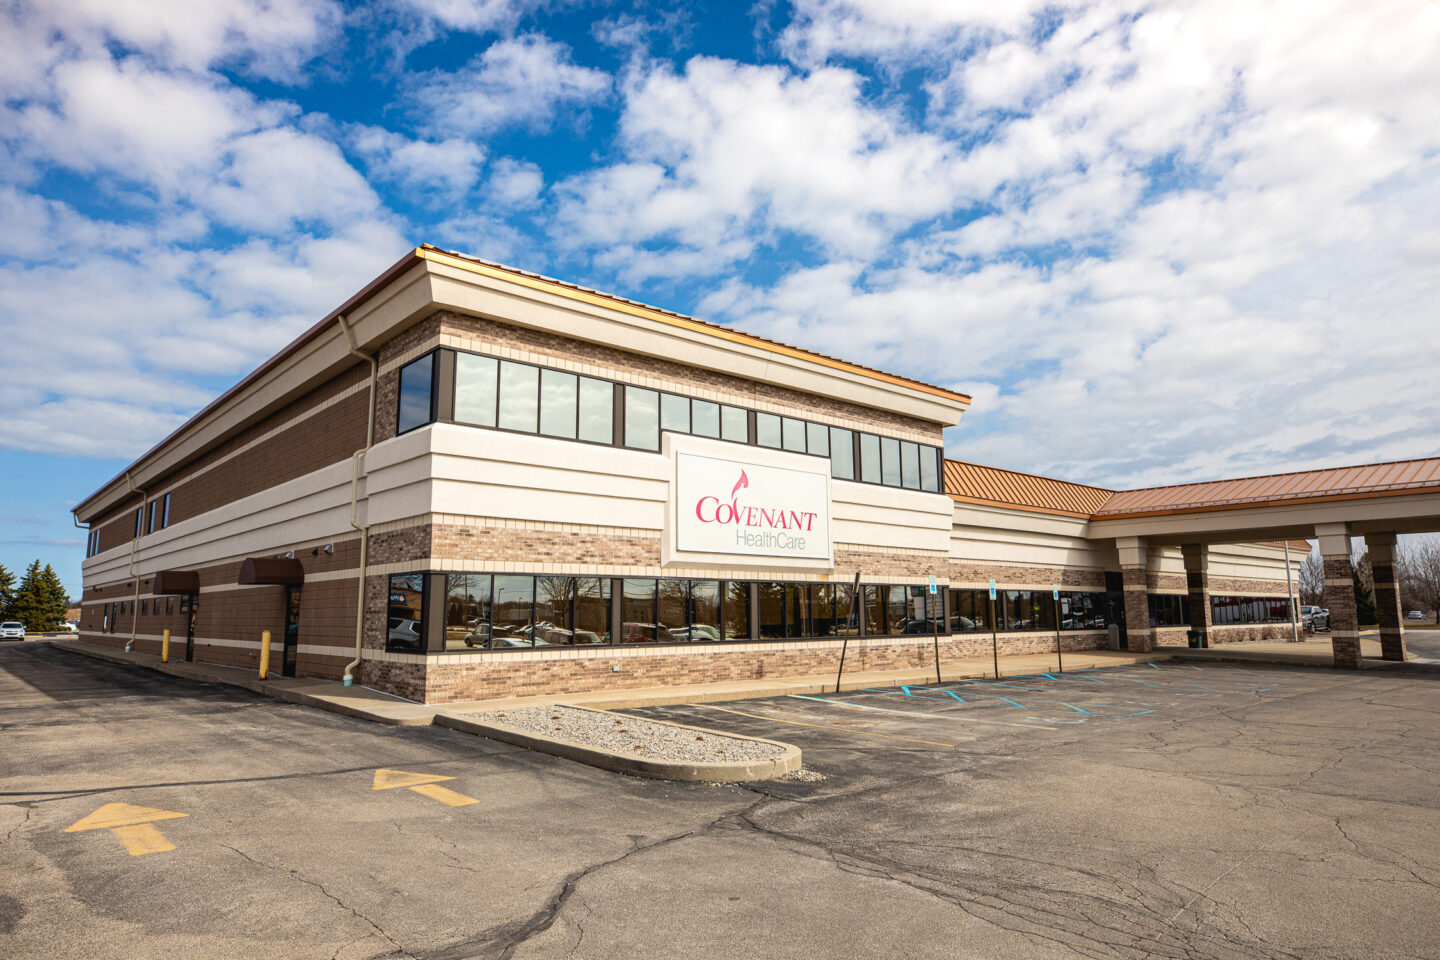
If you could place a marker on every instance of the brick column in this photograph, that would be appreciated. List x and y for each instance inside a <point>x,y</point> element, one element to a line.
<point>1139,637</point>
<point>1340,594</point>
<point>1387,595</point>
<point>1197,579</point>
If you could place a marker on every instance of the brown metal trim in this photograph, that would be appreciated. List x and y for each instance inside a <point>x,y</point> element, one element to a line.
<point>172,582</point>
<point>284,571</point>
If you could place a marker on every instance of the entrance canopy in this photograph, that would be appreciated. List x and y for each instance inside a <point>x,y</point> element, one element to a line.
<point>278,570</point>
<point>1400,497</point>
<point>176,582</point>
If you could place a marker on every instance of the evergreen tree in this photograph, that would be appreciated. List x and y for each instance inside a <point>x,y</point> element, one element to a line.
<point>56,601</point>
<point>1365,613</point>
<point>7,593</point>
<point>29,605</point>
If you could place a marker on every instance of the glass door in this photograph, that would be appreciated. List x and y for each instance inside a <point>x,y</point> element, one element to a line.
<point>292,631</point>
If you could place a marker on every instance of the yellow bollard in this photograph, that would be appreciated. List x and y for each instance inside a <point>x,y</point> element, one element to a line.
<point>165,647</point>
<point>264,654</point>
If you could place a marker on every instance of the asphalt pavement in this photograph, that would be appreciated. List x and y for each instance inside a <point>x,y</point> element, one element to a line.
<point>1180,810</point>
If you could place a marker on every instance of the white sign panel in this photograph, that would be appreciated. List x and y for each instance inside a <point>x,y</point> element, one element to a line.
<point>749,509</point>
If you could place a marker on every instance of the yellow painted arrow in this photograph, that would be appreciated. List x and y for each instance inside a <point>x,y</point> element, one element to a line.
<point>132,825</point>
<point>421,783</point>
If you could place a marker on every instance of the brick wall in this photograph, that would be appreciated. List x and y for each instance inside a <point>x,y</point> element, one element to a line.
<point>494,676</point>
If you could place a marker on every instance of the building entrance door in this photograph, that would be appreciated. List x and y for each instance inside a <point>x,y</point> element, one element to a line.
<point>292,631</point>
<point>1115,605</point>
<point>190,605</point>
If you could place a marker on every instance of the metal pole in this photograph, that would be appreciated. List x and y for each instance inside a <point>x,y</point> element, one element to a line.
<point>1059,657</point>
<point>994,641</point>
<point>854,616</point>
<point>1290,598</point>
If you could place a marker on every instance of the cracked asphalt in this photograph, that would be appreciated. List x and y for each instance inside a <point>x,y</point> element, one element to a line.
<point>1205,810</point>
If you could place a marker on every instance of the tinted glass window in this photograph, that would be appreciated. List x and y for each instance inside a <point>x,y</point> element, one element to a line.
<point>513,602</point>
<point>674,413</point>
<point>415,382</point>
<point>930,469</point>
<point>554,598</point>
<point>869,458</point>
<point>910,464</point>
<point>890,461</point>
<point>672,613</point>
<point>798,615</point>
<point>734,424</point>
<point>467,611</point>
<point>794,434</point>
<point>704,418</point>
<point>476,382</point>
<point>772,609</point>
<point>818,439</point>
<point>637,611</point>
<point>165,512</point>
<point>705,610</point>
<point>519,396</point>
<point>406,628</point>
<point>874,610</point>
<point>842,454</point>
<point>642,419</point>
<point>897,610</point>
<point>558,403</point>
<point>737,611</point>
<point>592,610</point>
<point>767,430</point>
<point>597,410</point>
<point>822,610</point>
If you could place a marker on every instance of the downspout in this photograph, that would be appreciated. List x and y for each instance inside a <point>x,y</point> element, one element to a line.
<point>355,497</point>
<point>134,546</point>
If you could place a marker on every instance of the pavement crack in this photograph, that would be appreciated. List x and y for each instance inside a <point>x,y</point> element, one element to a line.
<point>301,878</point>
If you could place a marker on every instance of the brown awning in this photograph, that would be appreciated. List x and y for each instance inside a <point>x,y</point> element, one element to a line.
<point>176,581</point>
<point>272,570</point>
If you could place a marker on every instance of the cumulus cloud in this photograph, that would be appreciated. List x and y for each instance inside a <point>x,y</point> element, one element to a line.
<point>444,170</point>
<point>721,157</point>
<point>523,82</point>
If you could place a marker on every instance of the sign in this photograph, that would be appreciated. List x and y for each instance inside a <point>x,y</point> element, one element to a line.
<point>749,509</point>
<point>1055,591</point>
<point>932,584</point>
<point>399,598</point>
<point>992,588</point>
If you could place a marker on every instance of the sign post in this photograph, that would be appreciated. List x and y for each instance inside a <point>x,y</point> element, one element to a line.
<point>994,640</point>
<point>1059,657</point>
<point>937,617</point>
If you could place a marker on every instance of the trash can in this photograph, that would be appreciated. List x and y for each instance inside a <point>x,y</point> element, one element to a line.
<point>1197,639</point>
<point>1114,636</point>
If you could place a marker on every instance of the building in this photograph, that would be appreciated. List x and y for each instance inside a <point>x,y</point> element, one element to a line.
<point>471,482</point>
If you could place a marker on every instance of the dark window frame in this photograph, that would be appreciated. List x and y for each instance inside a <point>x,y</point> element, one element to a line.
<point>443,386</point>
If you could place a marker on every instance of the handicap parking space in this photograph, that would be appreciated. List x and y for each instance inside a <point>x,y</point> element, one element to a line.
<point>961,712</point>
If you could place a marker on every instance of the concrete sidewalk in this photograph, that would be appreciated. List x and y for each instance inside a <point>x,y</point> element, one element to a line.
<point>383,708</point>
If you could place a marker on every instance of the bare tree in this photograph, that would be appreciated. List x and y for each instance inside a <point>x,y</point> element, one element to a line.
<point>1312,580</point>
<point>1422,572</point>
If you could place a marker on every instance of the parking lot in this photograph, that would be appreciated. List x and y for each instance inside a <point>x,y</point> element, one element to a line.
<point>1174,810</point>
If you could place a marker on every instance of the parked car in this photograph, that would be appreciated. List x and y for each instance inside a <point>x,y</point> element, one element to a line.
<point>70,626</point>
<point>1313,619</point>
<point>12,630</point>
<point>405,632</point>
<point>1414,615</point>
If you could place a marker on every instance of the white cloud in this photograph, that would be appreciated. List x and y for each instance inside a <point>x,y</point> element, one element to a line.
<point>443,169</point>
<point>724,156</point>
<point>521,82</point>
<point>265,38</point>
<point>514,184</point>
<point>474,16</point>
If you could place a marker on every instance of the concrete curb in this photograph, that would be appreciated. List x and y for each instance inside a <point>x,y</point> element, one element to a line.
<point>711,771</point>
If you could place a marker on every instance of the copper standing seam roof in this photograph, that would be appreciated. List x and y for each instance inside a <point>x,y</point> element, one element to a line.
<point>1305,486</point>
<point>975,483</point>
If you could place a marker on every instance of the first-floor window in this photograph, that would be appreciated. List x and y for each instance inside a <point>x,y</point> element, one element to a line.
<point>405,621</point>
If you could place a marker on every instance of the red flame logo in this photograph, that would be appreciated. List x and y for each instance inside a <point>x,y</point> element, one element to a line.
<point>744,481</point>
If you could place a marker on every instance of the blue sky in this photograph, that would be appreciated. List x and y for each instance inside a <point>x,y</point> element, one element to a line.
<point>1157,241</point>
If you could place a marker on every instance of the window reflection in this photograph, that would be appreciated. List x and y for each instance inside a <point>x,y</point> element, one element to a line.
<point>558,403</point>
<point>597,410</point>
<point>642,418</point>
<point>519,396</point>
<point>477,381</point>
<point>416,378</point>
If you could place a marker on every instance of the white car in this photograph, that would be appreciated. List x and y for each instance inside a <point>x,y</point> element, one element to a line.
<point>12,630</point>
<point>1414,615</point>
<point>70,626</point>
